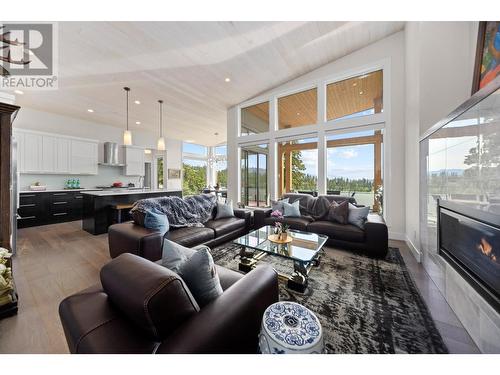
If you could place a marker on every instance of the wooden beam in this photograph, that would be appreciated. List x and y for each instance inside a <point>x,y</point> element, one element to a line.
<point>366,140</point>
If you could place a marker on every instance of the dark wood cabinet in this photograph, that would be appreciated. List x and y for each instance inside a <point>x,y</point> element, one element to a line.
<point>43,208</point>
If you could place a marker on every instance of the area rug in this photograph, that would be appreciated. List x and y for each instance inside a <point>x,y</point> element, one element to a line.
<point>364,305</point>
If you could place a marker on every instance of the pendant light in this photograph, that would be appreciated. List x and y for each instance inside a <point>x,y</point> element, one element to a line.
<point>161,140</point>
<point>127,135</point>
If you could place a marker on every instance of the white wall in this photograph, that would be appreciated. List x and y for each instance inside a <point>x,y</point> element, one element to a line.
<point>439,66</point>
<point>439,69</point>
<point>390,50</point>
<point>58,124</point>
<point>174,161</point>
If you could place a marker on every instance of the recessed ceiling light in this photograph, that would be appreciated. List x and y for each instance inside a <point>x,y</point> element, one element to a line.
<point>227,79</point>
<point>361,93</point>
<point>354,84</point>
<point>90,110</point>
<point>138,123</point>
<point>137,102</point>
<point>298,113</point>
<point>18,92</point>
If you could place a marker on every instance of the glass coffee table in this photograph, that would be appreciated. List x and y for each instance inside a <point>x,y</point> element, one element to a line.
<point>304,250</point>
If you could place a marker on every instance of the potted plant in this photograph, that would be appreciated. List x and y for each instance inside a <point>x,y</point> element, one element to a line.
<point>280,229</point>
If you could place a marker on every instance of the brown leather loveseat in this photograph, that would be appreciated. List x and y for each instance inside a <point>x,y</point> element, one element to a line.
<point>132,238</point>
<point>372,239</point>
<point>143,308</point>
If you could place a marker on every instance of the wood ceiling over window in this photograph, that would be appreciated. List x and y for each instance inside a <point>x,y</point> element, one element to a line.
<point>298,109</point>
<point>354,95</point>
<point>347,97</point>
<point>261,112</point>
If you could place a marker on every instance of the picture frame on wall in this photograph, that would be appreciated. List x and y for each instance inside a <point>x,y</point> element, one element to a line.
<point>174,174</point>
<point>487,62</point>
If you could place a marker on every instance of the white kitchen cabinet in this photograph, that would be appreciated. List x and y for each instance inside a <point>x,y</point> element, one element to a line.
<point>134,161</point>
<point>63,156</point>
<point>49,154</point>
<point>32,150</point>
<point>83,157</point>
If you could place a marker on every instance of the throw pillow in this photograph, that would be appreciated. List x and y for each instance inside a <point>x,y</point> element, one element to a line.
<point>278,205</point>
<point>174,255</point>
<point>200,275</point>
<point>156,220</point>
<point>224,210</point>
<point>291,209</point>
<point>357,215</point>
<point>338,212</point>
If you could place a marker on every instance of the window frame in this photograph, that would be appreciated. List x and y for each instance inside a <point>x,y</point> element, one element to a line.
<point>322,126</point>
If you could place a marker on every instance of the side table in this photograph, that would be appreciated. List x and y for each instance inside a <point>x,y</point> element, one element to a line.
<point>290,328</point>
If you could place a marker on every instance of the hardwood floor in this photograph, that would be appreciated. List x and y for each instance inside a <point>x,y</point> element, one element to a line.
<point>53,261</point>
<point>57,260</point>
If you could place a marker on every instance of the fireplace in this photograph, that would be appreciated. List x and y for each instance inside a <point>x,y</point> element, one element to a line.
<point>469,239</point>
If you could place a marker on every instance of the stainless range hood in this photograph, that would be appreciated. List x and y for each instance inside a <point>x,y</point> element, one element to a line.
<point>111,155</point>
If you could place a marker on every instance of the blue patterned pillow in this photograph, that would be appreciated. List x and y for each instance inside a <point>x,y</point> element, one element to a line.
<point>224,210</point>
<point>278,205</point>
<point>357,215</point>
<point>156,220</point>
<point>200,275</point>
<point>291,209</point>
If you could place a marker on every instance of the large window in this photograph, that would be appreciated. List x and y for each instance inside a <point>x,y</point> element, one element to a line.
<point>194,176</point>
<point>298,109</point>
<point>354,166</point>
<point>221,166</point>
<point>354,97</point>
<point>194,149</point>
<point>253,165</point>
<point>298,166</point>
<point>159,172</point>
<point>255,119</point>
<point>194,167</point>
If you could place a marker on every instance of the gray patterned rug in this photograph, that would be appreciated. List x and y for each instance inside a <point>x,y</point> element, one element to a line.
<point>365,305</point>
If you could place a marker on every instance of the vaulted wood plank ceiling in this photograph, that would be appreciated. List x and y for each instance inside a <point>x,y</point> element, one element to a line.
<point>186,64</point>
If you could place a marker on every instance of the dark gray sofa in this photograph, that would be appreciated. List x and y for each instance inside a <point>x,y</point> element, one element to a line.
<point>132,238</point>
<point>372,239</point>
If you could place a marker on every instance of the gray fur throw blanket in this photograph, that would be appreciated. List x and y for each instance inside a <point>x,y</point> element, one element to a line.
<point>191,211</point>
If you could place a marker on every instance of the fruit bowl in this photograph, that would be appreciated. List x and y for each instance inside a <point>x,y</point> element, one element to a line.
<point>38,187</point>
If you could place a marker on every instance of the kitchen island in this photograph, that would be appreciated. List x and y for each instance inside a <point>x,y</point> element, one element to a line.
<point>97,205</point>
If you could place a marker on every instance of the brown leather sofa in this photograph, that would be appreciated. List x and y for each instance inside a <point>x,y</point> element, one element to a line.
<point>143,308</point>
<point>132,238</point>
<point>372,239</point>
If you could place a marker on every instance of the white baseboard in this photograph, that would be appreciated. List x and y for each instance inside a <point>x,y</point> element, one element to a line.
<point>397,236</point>
<point>416,253</point>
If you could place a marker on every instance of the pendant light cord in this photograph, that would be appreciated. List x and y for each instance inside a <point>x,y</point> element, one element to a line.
<point>127,89</point>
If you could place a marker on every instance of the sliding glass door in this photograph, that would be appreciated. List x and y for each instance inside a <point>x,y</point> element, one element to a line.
<point>254,190</point>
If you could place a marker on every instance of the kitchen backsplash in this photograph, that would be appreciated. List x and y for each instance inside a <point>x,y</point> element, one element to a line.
<point>105,176</point>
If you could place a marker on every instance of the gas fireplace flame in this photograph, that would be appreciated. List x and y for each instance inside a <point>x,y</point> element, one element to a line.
<point>486,248</point>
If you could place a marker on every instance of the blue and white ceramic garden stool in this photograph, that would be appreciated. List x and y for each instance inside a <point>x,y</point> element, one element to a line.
<point>287,328</point>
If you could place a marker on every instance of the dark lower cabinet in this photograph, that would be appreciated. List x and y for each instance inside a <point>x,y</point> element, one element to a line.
<point>49,208</point>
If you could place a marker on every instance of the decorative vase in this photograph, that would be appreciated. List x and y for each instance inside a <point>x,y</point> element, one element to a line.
<point>290,328</point>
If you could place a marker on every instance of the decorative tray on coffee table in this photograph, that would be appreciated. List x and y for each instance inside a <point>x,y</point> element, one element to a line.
<point>275,238</point>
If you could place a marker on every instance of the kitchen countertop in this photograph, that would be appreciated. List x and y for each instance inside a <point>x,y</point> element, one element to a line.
<point>104,193</point>
<point>57,190</point>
